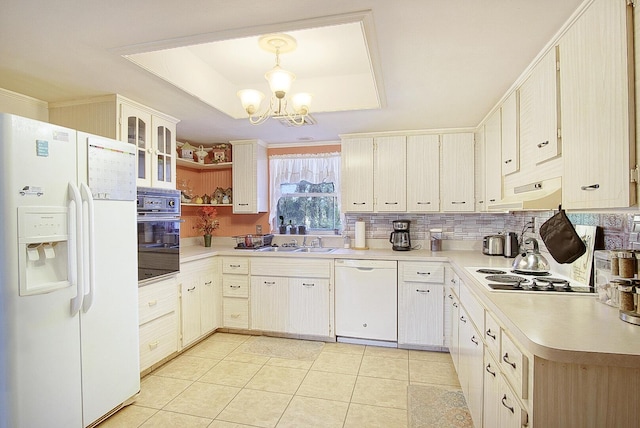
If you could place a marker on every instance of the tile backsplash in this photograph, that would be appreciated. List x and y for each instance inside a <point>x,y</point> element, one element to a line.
<point>619,229</point>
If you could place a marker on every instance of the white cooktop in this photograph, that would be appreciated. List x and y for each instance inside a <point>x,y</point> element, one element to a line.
<point>552,283</point>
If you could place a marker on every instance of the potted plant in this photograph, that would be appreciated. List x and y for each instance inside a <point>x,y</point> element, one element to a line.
<point>207,223</point>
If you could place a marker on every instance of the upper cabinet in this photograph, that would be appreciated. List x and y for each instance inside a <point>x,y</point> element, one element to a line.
<point>493,159</point>
<point>457,172</point>
<point>479,171</point>
<point>114,116</point>
<point>423,173</point>
<point>597,105</point>
<point>390,174</point>
<point>539,104</point>
<point>357,174</point>
<point>510,141</point>
<point>250,179</point>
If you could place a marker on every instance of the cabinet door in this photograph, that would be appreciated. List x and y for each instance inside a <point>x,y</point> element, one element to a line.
<point>493,159</point>
<point>471,366</point>
<point>457,172</point>
<point>163,165</point>
<point>390,174</point>
<point>480,174</point>
<point>357,174</point>
<point>510,142</point>
<point>210,301</point>
<point>309,306</point>
<point>190,312</point>
<point>595,101</point>
<point>269,303</point>
<point>510,413</point>
<point>491,398</point>
<point>136,129</point>
<point>420,314</point>
<point>538,108</point>
<point>250,180</point>
<point>423,173</point>
<point>454,344</point>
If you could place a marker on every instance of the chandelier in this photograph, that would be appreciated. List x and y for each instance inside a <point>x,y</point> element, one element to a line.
<point>280,83</point>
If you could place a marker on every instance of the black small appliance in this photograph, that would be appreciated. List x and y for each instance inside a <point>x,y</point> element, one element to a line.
<point>400,237</point>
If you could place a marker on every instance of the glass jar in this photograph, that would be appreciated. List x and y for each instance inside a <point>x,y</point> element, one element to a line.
<point>627,262</point>
<point>615,286</point>
<point>626,298</point>
<point>615,265</point>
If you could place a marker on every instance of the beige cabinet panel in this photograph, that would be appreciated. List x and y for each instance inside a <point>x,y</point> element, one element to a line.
<point>479,171</point>
<point>457,172</point>
<point>235,312</point>
<point>210,301</point>
<point>250,177</point>
<point>423,173</point>
<point>420,313</point>
<point>357,156</point>
<point>596,100</point>
<point>493,159</point>
<point>190,308</point>
<point>510,141</point>
<point>269,303</point>
<point>390,174</point>
<point>309,306</point>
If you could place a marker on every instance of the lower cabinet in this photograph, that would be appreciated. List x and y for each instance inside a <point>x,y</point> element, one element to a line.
<point>158,319</point>
<point>291,296</point>
<point>235,292</point>
<point>200,297</point>
<point>471,365</point>
<point>421,303</point>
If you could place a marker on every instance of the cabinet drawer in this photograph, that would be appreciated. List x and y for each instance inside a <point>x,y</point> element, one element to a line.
<point>422,272</point>
<point>492,334</point>
<point>158,339</point>
<point>235,286</point>
<point>472,306</point>
<point>155,300</point>
<point>514,364</point>
<point>235,312</point>
<point>237,265</point>
<point>291,267</point>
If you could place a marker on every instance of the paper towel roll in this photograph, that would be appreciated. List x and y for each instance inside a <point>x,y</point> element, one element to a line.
<point>360,235</point>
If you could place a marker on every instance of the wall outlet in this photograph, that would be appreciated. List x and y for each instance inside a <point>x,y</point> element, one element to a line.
<point>533,225</point>
<point>258,229</point>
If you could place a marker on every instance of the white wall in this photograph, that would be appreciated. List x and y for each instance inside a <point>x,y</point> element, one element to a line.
<point>22,105</point>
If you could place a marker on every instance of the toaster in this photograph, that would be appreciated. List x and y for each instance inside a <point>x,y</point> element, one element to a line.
<point>493,245</point>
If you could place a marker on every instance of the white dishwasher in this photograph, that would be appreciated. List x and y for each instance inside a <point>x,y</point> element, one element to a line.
<point>366,299</point>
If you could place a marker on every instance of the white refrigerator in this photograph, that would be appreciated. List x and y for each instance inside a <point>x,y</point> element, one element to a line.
<point>68,276</point>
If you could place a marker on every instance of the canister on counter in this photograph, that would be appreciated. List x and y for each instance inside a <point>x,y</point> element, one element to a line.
<point>626,298</point>
<point>615,265</point>
<point>627,262</point>
<point>615,286</point>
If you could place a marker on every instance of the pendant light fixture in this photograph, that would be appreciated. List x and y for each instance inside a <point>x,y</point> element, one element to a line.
<point>280,81</point>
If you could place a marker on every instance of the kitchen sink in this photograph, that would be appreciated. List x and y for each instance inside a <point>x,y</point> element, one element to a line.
<point>279,249</point>
<point>316,250</point>
<point>296,250</point>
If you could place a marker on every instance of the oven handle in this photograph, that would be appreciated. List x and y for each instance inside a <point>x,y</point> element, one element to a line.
<point>145,219</point>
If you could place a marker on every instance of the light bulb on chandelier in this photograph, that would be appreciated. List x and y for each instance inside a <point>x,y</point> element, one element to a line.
<point>280,81</point>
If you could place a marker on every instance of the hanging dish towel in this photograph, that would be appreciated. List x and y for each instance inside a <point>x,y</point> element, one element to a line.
<point>561,239</point>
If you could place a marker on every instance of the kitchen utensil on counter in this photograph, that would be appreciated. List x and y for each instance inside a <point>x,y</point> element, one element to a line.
<point>511,245</point>
<point>493,245</point>
<point>531,261</point>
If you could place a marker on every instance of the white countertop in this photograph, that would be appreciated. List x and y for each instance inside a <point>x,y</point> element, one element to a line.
<point>565,328</point>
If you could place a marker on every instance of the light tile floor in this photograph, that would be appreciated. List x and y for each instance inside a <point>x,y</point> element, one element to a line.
<point>216,385</point>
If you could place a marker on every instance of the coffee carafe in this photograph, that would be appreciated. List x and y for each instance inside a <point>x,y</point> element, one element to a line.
<point>400,236</point>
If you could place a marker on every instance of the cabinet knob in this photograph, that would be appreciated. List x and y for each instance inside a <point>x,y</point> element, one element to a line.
<point>154,345</point>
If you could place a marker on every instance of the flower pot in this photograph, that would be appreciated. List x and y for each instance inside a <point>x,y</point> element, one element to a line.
<point>207,240</point>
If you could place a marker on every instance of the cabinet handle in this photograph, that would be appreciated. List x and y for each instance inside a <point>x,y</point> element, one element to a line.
<point>488,369</point>
<point>153,302</point>
<point>423,291</point>
<point>243,204</point>
<point>234,266</point>
<point>474,340</point>
<point>505,358</point>
<point>453,281</point>
<point>208,283</point>
<point>234,286</point>
<point>508,161</point>
<point>455,305</point>
<point>481,202</point>
<point>154,345</point>
<point>359,203</point>
<point>492,200</point>
<point>192,288</point>
<point>391,203</point>
<point>458,202</point>
<point>544,143</point>
<point>591,187</point>
<point>450,296</point>
<point>235,315</point>
<point>424,203</point>
<point>491,335</point>
<point>463,320</point>
<point>504,398</point>
<point>308,284</point>
<point>423,273</point>
<point>269,282</point>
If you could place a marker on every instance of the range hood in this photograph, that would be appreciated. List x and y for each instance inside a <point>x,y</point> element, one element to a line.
<point>541,195</point>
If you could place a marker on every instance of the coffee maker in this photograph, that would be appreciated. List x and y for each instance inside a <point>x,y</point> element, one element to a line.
<point>400,236</point>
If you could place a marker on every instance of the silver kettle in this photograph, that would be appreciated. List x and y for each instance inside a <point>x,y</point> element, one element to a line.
<point>531,261</point>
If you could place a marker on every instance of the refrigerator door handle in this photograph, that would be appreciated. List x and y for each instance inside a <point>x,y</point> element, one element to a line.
<point>90,252</point>
<point>75,231</point>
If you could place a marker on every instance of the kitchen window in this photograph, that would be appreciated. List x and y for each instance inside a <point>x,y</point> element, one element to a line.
<point>305,191</point>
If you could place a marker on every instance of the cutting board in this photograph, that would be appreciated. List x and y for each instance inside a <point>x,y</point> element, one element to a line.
<point>581,269</point>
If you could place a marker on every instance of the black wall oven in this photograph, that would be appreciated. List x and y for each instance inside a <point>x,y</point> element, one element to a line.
<point>158,233</point>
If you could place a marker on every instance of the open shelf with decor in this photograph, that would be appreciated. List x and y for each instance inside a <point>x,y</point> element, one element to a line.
<point>196,165</point>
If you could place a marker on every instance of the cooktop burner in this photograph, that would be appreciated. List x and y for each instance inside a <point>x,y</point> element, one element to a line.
<point>508,279</point>
<point>491,271</point>
<point>524,272</point>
